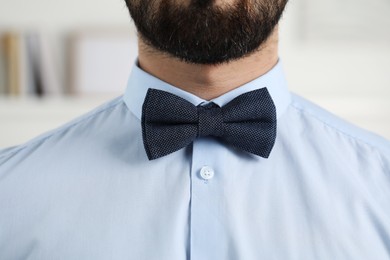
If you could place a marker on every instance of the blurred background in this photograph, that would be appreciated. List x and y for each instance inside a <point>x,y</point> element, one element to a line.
<point>59,59</point>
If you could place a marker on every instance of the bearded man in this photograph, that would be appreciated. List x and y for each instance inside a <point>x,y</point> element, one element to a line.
<point>206,156</point>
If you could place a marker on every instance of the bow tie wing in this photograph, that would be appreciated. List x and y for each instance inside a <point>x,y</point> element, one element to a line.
<point>250,122</point>
<point>167,117</point>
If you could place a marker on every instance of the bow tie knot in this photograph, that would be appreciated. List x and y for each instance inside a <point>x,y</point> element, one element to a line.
<point>210,120</point>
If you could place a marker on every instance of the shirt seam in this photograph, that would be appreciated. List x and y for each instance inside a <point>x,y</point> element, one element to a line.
<point>60,130</point>
<point>303,111</point>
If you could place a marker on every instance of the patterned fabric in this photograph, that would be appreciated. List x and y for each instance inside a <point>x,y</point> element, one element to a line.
<point>170,123</point>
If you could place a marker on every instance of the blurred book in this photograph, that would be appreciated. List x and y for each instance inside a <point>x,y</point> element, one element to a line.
<point>33,75</point>
<point>11,52</point>
<point>42,75</point>
<point>48,66</point>
<point>101,61</point>
<point>3,68</point>
<point>26,74</point>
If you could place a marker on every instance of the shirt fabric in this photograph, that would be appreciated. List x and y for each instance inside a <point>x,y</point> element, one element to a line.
<point>86,190</point>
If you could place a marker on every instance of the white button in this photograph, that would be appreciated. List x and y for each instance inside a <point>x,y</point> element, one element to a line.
<point>207,172</point>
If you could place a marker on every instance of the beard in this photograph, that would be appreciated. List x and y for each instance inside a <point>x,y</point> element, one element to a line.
<point>203,32</point>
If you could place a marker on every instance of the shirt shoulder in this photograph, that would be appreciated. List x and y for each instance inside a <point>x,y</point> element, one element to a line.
<point>334,123</point>
<point>106,107</point>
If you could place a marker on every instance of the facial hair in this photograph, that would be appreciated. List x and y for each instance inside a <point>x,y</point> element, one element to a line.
<point>203,32</point>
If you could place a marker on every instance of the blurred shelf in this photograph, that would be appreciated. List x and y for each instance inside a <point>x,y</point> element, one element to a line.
<point>24,118</point>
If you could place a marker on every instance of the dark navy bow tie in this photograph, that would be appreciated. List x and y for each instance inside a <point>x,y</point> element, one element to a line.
<point>170,123</point>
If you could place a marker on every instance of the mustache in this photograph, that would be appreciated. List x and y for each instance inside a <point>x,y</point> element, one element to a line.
<point>202,3</point>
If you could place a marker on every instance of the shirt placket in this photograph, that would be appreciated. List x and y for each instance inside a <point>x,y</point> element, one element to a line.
<point>206,224</point>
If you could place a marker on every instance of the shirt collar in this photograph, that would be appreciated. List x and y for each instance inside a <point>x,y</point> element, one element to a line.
<point>140,81</point>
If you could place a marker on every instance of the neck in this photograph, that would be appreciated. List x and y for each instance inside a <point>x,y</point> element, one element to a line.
<point>209,81</point>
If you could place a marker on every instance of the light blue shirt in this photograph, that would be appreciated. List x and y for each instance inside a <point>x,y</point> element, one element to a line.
<point>87,190</point>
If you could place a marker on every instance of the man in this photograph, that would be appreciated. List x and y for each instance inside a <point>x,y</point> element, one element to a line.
<point>206,156</point>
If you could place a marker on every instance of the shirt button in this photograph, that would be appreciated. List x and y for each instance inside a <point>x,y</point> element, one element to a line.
<point>207,172</point>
